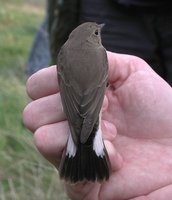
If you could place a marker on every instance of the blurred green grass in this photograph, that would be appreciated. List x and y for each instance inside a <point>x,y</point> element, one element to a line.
<point>24,174</point>
<point>18,23</point>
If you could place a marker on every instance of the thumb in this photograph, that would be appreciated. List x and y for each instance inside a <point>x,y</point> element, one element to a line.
<point>121,66</point>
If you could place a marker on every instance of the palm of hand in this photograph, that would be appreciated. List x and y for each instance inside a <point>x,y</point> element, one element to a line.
<point>143,139</point>
<point>134,108</point>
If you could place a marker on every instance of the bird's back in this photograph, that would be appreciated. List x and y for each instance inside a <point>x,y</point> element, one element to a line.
<point>82,66</point>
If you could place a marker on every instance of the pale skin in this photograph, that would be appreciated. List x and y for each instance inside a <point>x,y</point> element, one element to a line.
<point>137,128</point>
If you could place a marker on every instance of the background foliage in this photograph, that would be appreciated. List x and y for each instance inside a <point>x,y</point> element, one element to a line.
<point>24,174</point>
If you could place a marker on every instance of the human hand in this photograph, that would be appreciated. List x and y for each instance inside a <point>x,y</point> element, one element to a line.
<point>136,122</point>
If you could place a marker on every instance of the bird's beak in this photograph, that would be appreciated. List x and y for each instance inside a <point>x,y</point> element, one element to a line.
<point>101,26</point>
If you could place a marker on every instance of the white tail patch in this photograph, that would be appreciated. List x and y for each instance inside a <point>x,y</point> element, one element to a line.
<point>98,145</point>
<point>71,147</point>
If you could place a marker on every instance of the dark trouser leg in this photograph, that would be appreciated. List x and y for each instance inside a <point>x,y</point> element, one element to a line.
<point>164,29</point>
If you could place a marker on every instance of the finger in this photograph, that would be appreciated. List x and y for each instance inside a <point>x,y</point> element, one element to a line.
<point>162,193</point>
<point>46,110</point>
<point>83,189</point>
<point>159,194</point>
<point>50,140</point>
<point>122,66</point>
<point>109,130</point>
<point>105,104</point>
<point>43,83</point>
<point>115,158</point>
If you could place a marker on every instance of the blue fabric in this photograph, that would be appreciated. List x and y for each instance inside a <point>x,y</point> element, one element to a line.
<point>143,2</point>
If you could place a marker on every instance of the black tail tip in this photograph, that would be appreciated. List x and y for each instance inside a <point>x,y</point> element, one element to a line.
<point>89,167</point>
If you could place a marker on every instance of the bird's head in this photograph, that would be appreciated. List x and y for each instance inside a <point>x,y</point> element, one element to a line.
<point>89,31</point>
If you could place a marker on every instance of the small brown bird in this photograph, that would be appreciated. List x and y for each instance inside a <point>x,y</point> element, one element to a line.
<point>82,75</point>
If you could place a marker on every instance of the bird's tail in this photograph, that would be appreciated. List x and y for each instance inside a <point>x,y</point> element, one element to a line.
<point>85,162</point>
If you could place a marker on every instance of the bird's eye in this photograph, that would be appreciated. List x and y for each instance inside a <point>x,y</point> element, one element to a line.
<point>96,32</point>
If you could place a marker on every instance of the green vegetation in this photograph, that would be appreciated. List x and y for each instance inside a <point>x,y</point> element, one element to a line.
<point>24,173</point>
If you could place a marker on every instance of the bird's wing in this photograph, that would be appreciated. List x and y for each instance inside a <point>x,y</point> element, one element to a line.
<point>70,99</point>
<point>82,112</point>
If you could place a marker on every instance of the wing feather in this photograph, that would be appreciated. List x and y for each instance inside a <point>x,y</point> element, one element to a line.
<point>82,110</point>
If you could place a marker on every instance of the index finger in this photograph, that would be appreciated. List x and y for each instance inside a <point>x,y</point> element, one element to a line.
<point>43,83</point>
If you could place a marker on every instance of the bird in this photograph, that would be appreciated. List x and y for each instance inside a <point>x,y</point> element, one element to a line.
<point>82,71</point>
